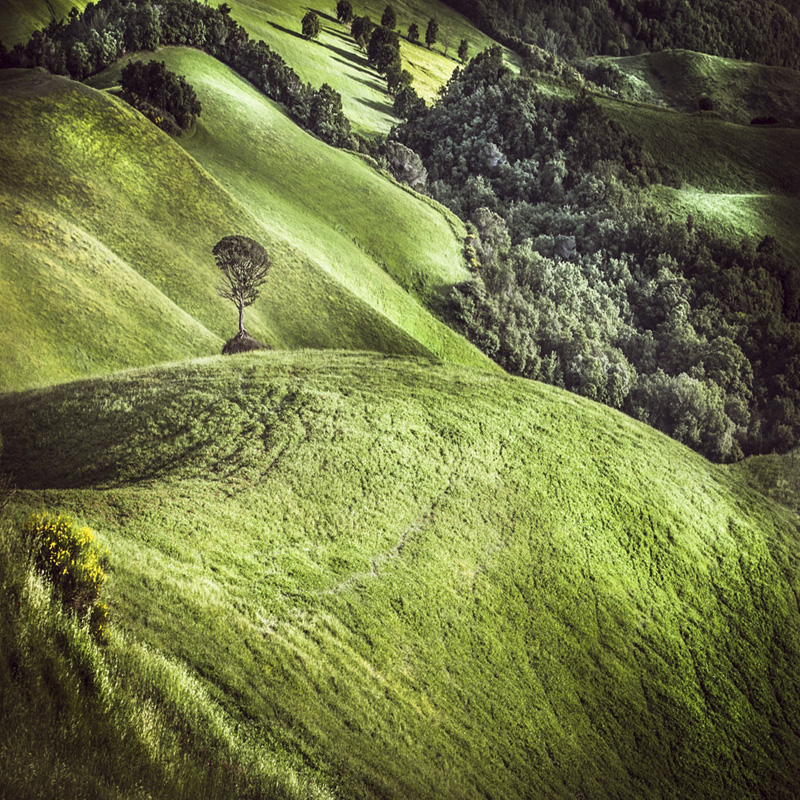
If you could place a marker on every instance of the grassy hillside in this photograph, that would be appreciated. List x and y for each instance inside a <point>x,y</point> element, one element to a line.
<point>108,225</point>
<point>743,181</point>
<point>335,59</point>
<point>420,581</point>
<point>776,475</point>
<point>739,90</point>
<point>20,18</point>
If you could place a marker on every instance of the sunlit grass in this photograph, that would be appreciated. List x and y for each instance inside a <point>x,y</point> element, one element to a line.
<point>427,581</point>
<point>107,240</point>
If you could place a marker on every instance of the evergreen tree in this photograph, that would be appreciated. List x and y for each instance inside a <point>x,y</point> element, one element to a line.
<point>344,11</point>
<point>383,49</point>
<point>389,18</point>
<point>413,32</point>
<point>463,50</point>
<point>311,25</point>
<point>432,33</point>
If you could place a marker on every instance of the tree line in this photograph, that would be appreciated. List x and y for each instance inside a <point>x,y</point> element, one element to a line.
<point>579,282</point>
<point>765,31</point>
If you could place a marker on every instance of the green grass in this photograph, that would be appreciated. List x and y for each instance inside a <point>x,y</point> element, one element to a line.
<point>107,237</point>
<point>424,581</point>
<point>777,475</point>
<point>335,59</point>
<point>742,181</point>
<point>739,90</point>
<point>20,18</point>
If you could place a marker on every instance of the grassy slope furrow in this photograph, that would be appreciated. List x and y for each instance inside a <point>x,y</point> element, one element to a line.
<point>432,582</point>
<point>122,190</point>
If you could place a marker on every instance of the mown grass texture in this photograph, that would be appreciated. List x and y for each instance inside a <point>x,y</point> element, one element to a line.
<point>431,582</point>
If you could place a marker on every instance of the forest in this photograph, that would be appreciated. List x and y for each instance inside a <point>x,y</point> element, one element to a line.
<point>765,31</point>
<point>580,283</point>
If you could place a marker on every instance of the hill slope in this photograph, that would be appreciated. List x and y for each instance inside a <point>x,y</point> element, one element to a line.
<point>108,225</point>
<point>426,582</point>
<point>741,180</point>
<point>20,18</point>
<point>335,59</point>
<point>738,90</point>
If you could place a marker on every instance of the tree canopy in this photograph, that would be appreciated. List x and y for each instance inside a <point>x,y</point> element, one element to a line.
<point>311,25</point>
<point>244,265</point>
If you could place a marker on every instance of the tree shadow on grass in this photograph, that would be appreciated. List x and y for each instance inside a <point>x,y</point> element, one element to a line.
<point>287,30</point>
<point>321,14</point>
<point>353,58</point>
<point>383,108</point>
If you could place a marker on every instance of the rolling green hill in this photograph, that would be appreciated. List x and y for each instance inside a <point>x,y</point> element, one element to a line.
<point>738,90</point>
<point>415,580</point>
<point>335,59</point>
<point>20,18</point>
<point>108,225</point>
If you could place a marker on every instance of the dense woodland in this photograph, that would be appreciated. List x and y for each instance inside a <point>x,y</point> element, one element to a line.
<point>766,31</point>
<point>581,284</point>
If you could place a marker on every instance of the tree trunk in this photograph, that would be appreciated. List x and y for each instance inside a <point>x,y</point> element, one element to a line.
<point>241,318</point>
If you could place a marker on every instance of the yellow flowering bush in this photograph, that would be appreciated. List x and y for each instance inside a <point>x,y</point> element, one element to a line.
<point>68,556</point>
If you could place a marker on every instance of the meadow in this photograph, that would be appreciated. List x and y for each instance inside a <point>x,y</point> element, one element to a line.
<point>108,241</point>
<point>420,580</point>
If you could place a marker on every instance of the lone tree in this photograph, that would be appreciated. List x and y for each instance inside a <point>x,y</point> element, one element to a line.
<point>310,25</point>
<point>344,11</point>
<point>432,33</point>
<point>244,264</point>
<point>413,32</point>
<point>463,50</point>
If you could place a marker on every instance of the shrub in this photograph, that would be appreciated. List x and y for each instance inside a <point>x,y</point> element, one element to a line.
<point>68,557</point>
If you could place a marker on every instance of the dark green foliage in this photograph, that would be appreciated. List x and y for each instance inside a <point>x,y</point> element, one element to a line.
<point>361,29</point>
<point>408,104</point>
<point>463,50</point>
<point>383,49</point>
<point>344,11</point>
<point>413,33</point>
<point>705,103</point>
<point>91,40</point>
<point>404,164</point>
<point>310,25</point>
<point>244,265</point>
<point>432,32</point>
<point>389,18</point>
<point>397,78</point>
<point>766,31</point>
<point>166,98</point>
<point>583,286</point>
